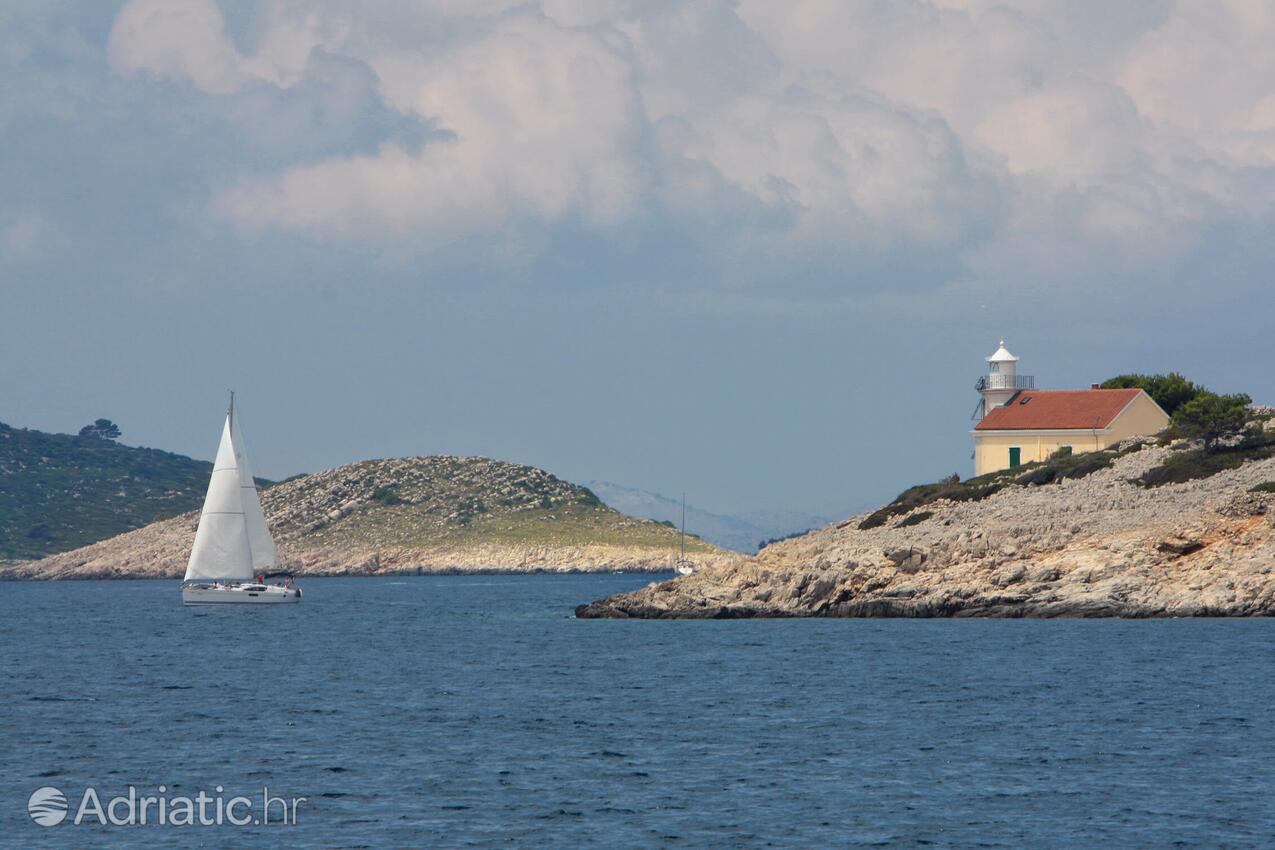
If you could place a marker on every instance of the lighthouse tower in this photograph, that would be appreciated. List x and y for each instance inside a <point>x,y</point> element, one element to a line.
<point>1001,381</point>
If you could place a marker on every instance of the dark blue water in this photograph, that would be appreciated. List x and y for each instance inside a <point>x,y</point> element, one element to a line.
<point>474,712</point>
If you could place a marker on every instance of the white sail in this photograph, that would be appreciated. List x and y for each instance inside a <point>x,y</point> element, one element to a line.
<point>259,539</point>
<point>221,549</point>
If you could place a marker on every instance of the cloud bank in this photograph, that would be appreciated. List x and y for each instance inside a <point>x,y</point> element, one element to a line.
<point>962,143</point>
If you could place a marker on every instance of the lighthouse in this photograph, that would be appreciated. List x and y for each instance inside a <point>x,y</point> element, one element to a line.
<point>1001,381</point>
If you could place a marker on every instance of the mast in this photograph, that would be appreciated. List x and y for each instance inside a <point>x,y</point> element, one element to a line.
<point>682,557</point>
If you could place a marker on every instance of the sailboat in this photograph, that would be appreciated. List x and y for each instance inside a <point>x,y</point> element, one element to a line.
<point>683,567</point>
<point>234,553</point>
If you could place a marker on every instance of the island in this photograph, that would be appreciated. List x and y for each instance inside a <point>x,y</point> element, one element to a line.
<point>433,514</point>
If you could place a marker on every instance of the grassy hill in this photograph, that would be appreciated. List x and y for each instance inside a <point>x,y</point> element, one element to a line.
<point>59,491</point>
<point>420,514</point>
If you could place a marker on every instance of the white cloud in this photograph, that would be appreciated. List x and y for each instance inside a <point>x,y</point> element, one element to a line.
<point>849,168</point>
<point>829,128</point>
<point>184,39</point>
<point>551,122</point>
<point>542,122</point>
<point>187,40</point>
<point>1208,72</point>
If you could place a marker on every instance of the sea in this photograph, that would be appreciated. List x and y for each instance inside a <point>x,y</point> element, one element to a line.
<point>475,711</point>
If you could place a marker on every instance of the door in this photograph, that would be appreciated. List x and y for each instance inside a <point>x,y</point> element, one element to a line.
<point>1015,456</point>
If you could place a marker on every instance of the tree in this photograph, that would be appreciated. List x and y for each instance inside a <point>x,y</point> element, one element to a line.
<point>1210,416</point>
<point>103,429</point>
<point>1170,391</point>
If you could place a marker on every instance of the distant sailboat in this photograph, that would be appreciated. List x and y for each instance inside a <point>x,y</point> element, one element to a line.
<point>683,566</point>
<point>233,552</point>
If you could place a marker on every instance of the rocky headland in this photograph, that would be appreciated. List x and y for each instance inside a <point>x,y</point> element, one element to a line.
<point>410,515</point>
<point>1107,534</point>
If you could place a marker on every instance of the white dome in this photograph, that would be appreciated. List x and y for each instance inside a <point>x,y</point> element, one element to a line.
<point>1002,355</point>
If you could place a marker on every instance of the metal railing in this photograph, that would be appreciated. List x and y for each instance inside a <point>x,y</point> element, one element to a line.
<point>1006,382</point>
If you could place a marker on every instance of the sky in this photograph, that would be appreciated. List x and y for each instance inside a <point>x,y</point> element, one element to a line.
<point>755,251</point>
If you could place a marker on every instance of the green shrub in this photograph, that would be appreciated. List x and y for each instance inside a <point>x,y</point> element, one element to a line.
<point>1264,487</point>
<point>915,519</point>
<point>949,488</point>
<point>1060,467</point>
<point>1203,463</point>
<point>386,496</point>
<point>1188,466</point>
<point>1210,416</point>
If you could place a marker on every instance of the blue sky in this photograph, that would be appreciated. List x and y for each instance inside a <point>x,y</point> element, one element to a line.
<point>755,251</point>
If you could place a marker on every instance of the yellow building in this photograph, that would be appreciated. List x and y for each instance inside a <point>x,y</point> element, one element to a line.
<point>1020,424</point>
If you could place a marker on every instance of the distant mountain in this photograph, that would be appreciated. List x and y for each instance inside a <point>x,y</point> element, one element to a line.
<point>60,491</point>
<point>741,532</point>
<point>410,515</point>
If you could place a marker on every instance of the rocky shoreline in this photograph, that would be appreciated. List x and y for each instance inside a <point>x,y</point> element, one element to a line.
<point>1097,546</point>
<point>441,560</point>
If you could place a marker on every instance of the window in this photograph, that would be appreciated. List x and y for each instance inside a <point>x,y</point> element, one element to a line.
<point>995,367</point>
<point>1015,456</point>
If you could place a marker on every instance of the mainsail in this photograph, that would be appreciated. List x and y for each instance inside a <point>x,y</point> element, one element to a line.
<point>259,539</point>
<point>232,542</point>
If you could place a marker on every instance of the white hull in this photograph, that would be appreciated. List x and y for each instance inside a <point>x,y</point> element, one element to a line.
<point>241,594</point>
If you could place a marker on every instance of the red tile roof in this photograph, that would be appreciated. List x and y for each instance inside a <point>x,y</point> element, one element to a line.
<point>1045,410</point>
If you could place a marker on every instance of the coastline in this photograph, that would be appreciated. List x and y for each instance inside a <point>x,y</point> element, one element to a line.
<point>422,572</point>
<point>1096,546</point>
<point>436,560</point>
